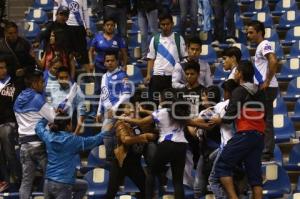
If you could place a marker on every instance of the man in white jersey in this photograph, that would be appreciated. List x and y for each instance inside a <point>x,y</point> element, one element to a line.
<point>79,26</point>
<point>265,63</point>
<point>165,50</point>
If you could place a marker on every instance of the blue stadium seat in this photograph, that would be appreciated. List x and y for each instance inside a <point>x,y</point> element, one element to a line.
<point>279,106</point>
<point>244,50</point>
<point>220,74</point>
<point>296,116</point>
<point>176,21</point>
<point>129,186</point>
<point>255,7</point>
<point>265,18</point>
<point>208,196</point>
<point>97,182</point>
<point>241,36</point>
<point>97,157</point>
<point>125,197</point>
<point>289,70</point>
<point>298,186</point>
<point>31,30</point>
<point>295,49</point>
<point>135,74</point>
<point>295,195</point>
<point>276,181</point>
<point>134,39</point>
<point>289,19</point>
<point>292,36</point>
<point>283,128</point>
<point>294,159</point>
<point>293,90</point>
<point>46,5</point>
<point>206,37</point>
<point>134,27</point>
<point>278,155</point>
<point>271,35</point>
<point>208,54</point>
<point>39,16</point>
<point>283,6</point>
<point>239,24</point>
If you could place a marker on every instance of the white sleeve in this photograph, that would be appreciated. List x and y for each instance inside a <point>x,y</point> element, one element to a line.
<point>267,48</point>
<point>183,47</point>
<point>177,76</point>
<point>151,51</point>
<point>123,98</point>
<point>47,112</point>
<point>85,13</point>
<point>57,3</point>
<point>99,112</point>
<point>208,77</point>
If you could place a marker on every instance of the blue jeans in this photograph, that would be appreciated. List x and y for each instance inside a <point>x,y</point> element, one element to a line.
<point>59,190</point>
<point>205,6</point>
<point>200,180</point>
<point>109,139</point>
<point>147,23</point>
<point>191,7</point>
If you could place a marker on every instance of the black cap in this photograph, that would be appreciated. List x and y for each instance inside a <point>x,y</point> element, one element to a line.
<point>63,10</point>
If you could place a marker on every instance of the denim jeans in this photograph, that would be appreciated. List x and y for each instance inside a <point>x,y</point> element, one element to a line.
<point>200,179</point>
<point>109,138</point>
<point>32,157</point>
<point>10,167</point>
<point>59,190</point>
<point>191,7</point>
<point>148,24</point>
<point>206,11</point>
<point>120,15</point>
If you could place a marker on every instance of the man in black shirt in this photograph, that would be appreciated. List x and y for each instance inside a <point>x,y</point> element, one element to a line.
<point>10,166</point>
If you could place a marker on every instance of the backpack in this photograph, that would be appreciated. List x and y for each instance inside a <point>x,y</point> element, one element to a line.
<point>177,41</point>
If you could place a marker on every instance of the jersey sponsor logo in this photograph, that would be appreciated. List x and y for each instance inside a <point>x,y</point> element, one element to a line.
<point>104,93</point>
<point>74,6</point>
<point>267,47</point>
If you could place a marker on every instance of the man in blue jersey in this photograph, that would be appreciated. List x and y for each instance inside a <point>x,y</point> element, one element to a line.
<point>29,108</point>
<point>115,90</point>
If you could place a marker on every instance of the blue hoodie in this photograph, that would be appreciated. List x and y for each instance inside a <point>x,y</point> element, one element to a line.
<point>62,148</point>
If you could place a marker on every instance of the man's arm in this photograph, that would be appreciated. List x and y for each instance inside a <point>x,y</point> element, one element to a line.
<point>272,65</point>
<point>177,76</point>
<point>40,129</point>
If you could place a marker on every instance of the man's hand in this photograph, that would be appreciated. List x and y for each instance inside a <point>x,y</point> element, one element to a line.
<point>147,79</point>
<point>215,121</point>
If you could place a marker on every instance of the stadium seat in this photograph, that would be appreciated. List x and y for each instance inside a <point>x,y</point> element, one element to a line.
<point>220,74</point>
<point>295,50</point>
<point>39,16</point>
<point>271,35</point>
<point>255,7</point>
<point>31,30</point>
<point>97,157</point>
<point>176,21</point>
<point>167,196</point>
<point>9,195</point>
<point>279,106</point>
<point>292,36</point>
<point>46,5</point>
<point>241,36</point>
<point>276,181</point>
<point>206,37</point>
<point>289,19</point>
<point>125,197</point>
<point>283,128</point>
<point>297,190</point>
<point>278,50</point>
<point>135,74</point>
<point>265,18</point>
<point>294,159</point>
<point>244,50</point>
<point>134,39</point>
<point>293,90</point>
<point>97,182</point>
<point>239,24</point>
<point>295,195</point>
<point>129,186</point>
<point>283,6</point>
<point>289,70</point>
<point>296,116</point>
<point>278,155</point>
<point>208,54</point>
<point>208,196</point>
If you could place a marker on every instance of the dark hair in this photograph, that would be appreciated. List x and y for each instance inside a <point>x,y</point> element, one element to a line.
<point>213,93</point>
<point>10,24</point>
<point>3,59</point>
<point>233,51</point>
<point>106,19</point>
<point>229,85</point>
<point>192,65</point>
<point>194,40</point>
<point>62,69</point>
<point>61,120</point>
<point>258,26</point>
<point>111,53</point>
<point>247,70</point>
<point>165,15</point>
<point>32,75</point>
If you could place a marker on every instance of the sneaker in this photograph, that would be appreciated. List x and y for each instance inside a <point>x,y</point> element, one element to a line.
<point>215,43</point>
<point>231,40</point>
<point>3,186</point>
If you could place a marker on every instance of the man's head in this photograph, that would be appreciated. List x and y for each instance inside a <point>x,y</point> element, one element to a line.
<point>192,70</point>
<point>62,14</point>
<point>3,68</point>
<point>62,122</point>
<point>11,32</point>
<point>228,87</point>
<point>34,79</point>
<point>111,61</point>
<point>166,23</point>
<point>109,26</point>
<point>231,56</point>
<point>194,48</point>
<point>211,96</point>
<point>63,77</point>
<point>244,72</point>
<point>255,31</point>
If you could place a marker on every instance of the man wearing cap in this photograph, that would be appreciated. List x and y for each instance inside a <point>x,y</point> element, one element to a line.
<point>59,26</point>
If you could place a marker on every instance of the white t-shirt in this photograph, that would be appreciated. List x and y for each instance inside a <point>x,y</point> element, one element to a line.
<point>168,129</point>
<point>162,64</point>
<point>261,63</point>
<point>231,75</point>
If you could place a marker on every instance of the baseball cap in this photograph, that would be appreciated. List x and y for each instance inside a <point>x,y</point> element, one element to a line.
<point>63,10</point>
